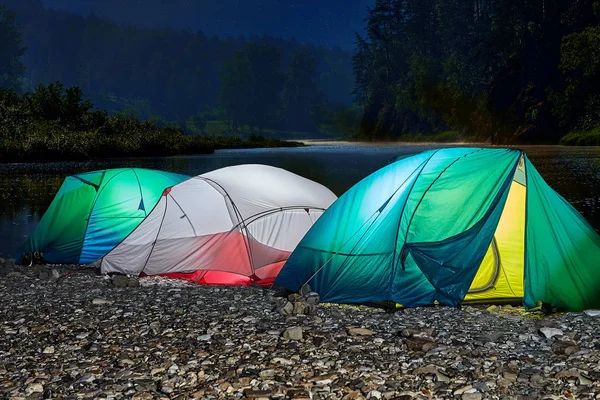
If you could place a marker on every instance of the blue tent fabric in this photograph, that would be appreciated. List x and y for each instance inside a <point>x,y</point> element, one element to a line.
<point>416,232</point>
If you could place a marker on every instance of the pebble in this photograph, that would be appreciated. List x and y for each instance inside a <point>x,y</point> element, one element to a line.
<point>34,388</point>
<point>293,333</point>
<point>550,332</point>
<point>171,339</point>
<point>360,332</point>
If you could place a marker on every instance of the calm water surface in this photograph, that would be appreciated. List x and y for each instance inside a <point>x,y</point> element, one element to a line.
<point>26,190</point>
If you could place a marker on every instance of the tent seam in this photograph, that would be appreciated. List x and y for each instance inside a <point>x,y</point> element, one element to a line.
<point>393,260</point>
<point>157,232</point>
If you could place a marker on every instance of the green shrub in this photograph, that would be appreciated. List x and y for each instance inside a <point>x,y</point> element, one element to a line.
<point>54,123</point>
<point>582,138</point>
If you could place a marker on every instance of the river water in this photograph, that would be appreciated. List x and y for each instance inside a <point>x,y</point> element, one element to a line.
<point>26,190</point>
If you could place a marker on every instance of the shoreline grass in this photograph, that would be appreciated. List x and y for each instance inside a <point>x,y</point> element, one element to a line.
<point>50,144</point>
<point>582,138</point>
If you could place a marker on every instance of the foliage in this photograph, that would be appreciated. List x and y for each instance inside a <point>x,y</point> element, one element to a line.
<point>495,69</point>
<point>174,74</point>
<point>442,137</point>
<point>579,104</point>
<point>582,138</point>
<point>54,123</point>
<point>343,121</point>
<point>11,50</point>
<point>302,101</point>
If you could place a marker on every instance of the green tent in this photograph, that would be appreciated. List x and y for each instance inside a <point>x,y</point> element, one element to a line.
<point>94,211</point>
<point>451,226</point>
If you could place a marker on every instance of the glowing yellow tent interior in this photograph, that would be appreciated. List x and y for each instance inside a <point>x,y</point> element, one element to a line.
<point>451,226</point>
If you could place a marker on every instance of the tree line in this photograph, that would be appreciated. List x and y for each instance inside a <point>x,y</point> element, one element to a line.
<point>259,82</point>
<point>55,123</point>
<point>499,70</point>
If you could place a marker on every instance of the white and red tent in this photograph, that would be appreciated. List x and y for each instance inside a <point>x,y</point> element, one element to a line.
<point>232,226</point>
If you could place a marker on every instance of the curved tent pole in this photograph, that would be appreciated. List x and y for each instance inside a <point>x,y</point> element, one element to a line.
<point>421,200</point>
<point>239,216</point>
<point>98,193</point>
<point>394,258</point>
<point>267,213</point>
<point>184,214</point>
<point>88,182</point>
<point>157,231</point>
<point>490,284</point>
<point>165,193</point>
<point>405,254</point>
<point>263,214</point>
<point>375,214</point>
<point>141,193</point>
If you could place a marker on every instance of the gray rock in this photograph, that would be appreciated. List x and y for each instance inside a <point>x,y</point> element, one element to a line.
<point>45,275</point>
<point>592,313</point>
<point>310,310</point>
<point>360,332</point>
<point>167,387</point>
<point>133,282</point>
<point>34,388</point>
<point>120,281</point>
<point>299,308</point>
<point>130,340</point>
<point>87,378</point>
<point>282,361</point>
<point>101,302</point>
<point>312,298</point>
<point>287,308</point>
<point>550,332</point>
<point>293,333</point>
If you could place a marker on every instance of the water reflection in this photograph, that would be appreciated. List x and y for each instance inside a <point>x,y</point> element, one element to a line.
<point>26,190</point>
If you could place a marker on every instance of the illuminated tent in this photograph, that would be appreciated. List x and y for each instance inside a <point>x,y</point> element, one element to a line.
<point>94,211</point>
<point>451,226</point>
<point>233,226</point>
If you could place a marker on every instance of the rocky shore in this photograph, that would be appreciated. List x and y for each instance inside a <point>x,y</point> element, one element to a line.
<point>68,333</point>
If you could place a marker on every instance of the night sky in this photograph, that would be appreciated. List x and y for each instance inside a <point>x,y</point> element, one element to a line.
<point>322,22</point>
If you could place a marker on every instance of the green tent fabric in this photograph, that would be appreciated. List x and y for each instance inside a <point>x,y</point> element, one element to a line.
<point>562,250</point>
<point>421,231</point>
<point>94,211</point>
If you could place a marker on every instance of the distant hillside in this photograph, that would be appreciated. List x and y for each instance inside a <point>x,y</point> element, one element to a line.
<point>164,72</point>
<point>330,23</point>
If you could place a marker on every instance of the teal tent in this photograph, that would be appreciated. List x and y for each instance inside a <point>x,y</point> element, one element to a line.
<point>94,211</point>
<point>451,226</point>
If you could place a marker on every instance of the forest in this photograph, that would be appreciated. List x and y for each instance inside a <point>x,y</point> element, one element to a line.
<point>498,70</point>
<point>495,71</point>
<point>184,79</point>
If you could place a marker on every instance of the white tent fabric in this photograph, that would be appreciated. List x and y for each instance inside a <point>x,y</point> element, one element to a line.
<point>235,225</point>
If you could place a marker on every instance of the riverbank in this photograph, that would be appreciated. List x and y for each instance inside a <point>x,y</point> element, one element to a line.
<point>57,124</point>
<point>582,138</point>
<point>329,142</point>
<point>87,146</point>
<point>309,142</point>
<point>78,336</point>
